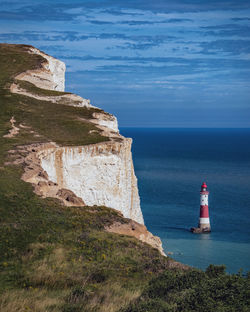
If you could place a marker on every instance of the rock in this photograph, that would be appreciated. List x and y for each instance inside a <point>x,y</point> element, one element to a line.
<point>43,174</point>
<point>198,230</point>
<point>42,184</point>
<point>70,197</point>
<point>106,120</point>
<point>138,231</point>
<point>50,76</point>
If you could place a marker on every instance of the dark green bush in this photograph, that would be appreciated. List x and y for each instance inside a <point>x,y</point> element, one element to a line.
<point>194,290</point>
<point>215,270</point>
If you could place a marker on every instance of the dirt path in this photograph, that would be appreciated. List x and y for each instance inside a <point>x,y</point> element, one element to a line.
<point>14,131</point>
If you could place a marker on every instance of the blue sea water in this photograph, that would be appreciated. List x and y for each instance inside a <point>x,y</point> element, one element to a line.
<point>170,165</point>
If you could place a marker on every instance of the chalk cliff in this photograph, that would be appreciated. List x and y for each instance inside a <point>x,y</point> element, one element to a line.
<point>100,174</point>
<point>50,76</point>
<point>96,174</point>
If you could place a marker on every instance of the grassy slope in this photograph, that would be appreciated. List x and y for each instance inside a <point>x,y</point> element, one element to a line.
<point>55,258</point>
<point>38,91</point>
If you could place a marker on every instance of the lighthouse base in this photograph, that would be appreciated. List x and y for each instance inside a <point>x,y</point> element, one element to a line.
<point>201,230</point>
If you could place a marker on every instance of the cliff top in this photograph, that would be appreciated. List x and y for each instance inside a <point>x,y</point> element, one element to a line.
<point>65,125</point>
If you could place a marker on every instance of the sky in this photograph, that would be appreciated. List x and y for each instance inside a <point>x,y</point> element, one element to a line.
<point>161,63</point>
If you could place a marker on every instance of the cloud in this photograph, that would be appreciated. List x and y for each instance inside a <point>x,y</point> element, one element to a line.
<point>69,11</point>
<point>96,22</point>
<point>142,42</point>
<point>148,66</point>
<point>165,6</point>
<point>178,20</point>
<point>139,59</point>
<point>128,40</point>
<point>53,48</point>
<point>44,36</point>
<point>234,47</point>
<point>113,36</point>
<point>40,12</point>
<point>138,46</point>
<point>239,19</point>
<point>121,12</point>
<point>227,30</point>
<point>223,26</point>
<point>155,22</point>
<point>137,23</point>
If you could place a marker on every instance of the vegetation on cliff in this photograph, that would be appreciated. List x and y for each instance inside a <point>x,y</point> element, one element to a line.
<point>194,290</point>
<point>63,125</point>
<point>57,258</point>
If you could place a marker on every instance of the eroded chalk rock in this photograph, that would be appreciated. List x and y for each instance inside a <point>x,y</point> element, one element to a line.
<point>138,231</point>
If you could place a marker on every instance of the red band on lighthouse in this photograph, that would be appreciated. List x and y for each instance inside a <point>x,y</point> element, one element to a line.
<point>204,212</point>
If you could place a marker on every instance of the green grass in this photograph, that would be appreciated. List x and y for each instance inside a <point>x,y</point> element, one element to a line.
<point>53,122</point>
<point>14,59</point>
<point>38,91</point>
<point>54,250</point>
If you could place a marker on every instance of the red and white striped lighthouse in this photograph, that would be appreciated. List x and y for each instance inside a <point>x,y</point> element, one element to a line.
<point>204,222</point>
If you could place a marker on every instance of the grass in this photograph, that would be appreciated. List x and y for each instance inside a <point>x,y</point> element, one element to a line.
<point>31,88</point>
<point>53,122</point>
<point>64,254</point>
<point>14,59</point>
<point>194,290</point>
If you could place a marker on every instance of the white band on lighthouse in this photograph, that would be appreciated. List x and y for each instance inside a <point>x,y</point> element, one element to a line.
<point>204,200</point>
<point>204,220</point>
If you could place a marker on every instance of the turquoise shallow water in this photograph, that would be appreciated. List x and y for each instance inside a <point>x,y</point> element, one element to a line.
<point>170,165</point>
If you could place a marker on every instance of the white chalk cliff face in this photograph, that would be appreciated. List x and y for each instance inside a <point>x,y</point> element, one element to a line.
<point>100,174</point>
<point>51,76</point>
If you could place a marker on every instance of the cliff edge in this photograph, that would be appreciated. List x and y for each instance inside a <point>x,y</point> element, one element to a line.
<point>99,174</point>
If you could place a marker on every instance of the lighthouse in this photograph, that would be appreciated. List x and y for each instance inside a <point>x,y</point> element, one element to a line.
<point>204,221</point>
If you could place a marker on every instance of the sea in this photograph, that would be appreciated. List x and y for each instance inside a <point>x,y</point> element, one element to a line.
<point>171,165</point>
